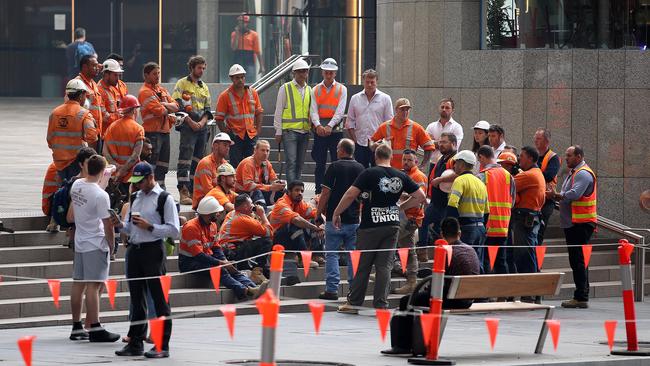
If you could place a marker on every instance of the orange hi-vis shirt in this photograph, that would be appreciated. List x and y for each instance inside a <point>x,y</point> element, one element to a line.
<point>286,210</point>
<point>152,111</point>
<point>111,96</point>
<point>50,185</point>
<point>251,176</point>
<point>205,178</point>
<point>96,102</point>
<point>250,41</point>
<point>239,113</point>
<point>409,136</point>
<point>120,139</point>
<point>417,213</point>
<point>222,196</point>
<point>197,238</point>
<point>238,227</point>
<point>531,188</point>
<point>70,128</point>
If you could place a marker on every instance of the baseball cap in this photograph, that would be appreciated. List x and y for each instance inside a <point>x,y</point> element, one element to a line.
<point>466,156</point>
<point>140,171</point>
<point>402,102</point>
<point>222,136</point>
<point>507,157</point>
<point>483,125</point>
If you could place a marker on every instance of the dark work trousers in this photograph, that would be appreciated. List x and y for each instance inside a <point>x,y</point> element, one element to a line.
<point>145,260</point>
<point>547,211</point>
<point>247,249</point>
<point>241,149</point>
<point>430,230</point>
<point>190,152</point>
<point>159,155</point>
<point>510,255</point>
<point>577,235</point>
<point>259,196</point>
<point>473,234</point>
<point>364,155</point>
<point>319,152</point>
<point>524,240</point>
<point>500,264</point>
<point>290,237</point>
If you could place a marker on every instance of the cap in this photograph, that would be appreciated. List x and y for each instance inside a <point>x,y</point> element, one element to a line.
<point>466,156</point>
<point>300,65</point>
<point>129,101</point>
<point>112,66</point>
<point>225,169</point>
<point>483,125</point>
<point>402,102</point>
<point>208,205</point>
<point>329,64</point>
<point>507,157</point>
<point>236,69</point>
<point>140,171</point>
<point>75,85</point>
<point>222,136</point>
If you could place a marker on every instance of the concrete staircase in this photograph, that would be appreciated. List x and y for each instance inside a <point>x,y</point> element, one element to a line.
<point>31,252</point>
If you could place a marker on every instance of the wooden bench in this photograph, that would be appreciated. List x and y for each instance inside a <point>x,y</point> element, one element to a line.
<point>503,286</point>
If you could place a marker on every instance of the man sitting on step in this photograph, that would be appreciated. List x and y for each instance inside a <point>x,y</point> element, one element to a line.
<point>255,176</point>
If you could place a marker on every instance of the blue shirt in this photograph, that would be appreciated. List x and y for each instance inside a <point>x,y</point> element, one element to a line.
<point>146,205</point>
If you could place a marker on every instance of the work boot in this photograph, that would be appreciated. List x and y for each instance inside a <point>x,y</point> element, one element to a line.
<point>575,304</point>
<point>423,255</point>
<point>153,353</point>
<point>185,197</point>
<point>256,292</point>
<point>257,276</point>
<point>52,227</point>
<point>408,287</point>
<point>347,309</point>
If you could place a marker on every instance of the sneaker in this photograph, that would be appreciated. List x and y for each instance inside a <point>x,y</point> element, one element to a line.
<point>79,335</point>
<point>131,349</point>
<point>153,353</point>
<point>257,276</point>
<point>395,351</point>
<point>103,336</point>
<point>347,309</point>
<point>575,304</point>
<point>328,295</point>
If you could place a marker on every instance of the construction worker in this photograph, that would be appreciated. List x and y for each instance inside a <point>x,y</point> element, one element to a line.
<point>198,250</point>
<point>110,93</point>
<point>206,171</point>
<point>51,184</point>
<point>239,113</point>
<point>194,133</point>
<point>157,105</point>
<point>401,133</point>
<point>501,197</point>
<point>509,162</point>
<point>246,233</point>
<point>89,69</point>
<point>331,98</point>
<point>70,128</point>
<point>468,201</point>
<point>224,190</point>
<point>245,43</point>
<point>549,162</point>
<point>294,108</point>
<point>123,142</point>
<point>121,85</point>
<point>255,176</point>
<point>530,185</point>
<point>409,225</point>
<point>578,216</point>
<point>445,123</point>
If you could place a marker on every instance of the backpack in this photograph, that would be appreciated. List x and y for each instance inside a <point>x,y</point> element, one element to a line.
<point>61,203</point>
<point>83,49</point>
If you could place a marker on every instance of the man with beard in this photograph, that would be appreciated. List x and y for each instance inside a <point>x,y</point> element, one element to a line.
<point>445,123</point>
<point>224,190</point>
<point>206,170</point>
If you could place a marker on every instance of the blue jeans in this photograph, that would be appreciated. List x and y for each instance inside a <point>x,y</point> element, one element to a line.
<point>474,236</point>
<point>190,152</point>
<point>241,149</point>
<point>295,148</point>
<point>324,146</point>
<point>526,238</point>
<point>346,236</point>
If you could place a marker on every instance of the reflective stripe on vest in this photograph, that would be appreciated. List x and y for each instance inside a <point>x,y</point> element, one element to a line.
<point>584,209</point>
<point>327,102</point>
<point>237,117</point>
<point>296,116</point>
<point>407,145</point>
<point>498,183</point>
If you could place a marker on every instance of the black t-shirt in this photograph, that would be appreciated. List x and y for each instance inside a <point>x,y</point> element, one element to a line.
<point>381,188</point>
<point>338,178</point>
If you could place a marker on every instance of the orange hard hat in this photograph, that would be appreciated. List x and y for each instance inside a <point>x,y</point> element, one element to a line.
<point>128,102</point>
<point>507,157</point>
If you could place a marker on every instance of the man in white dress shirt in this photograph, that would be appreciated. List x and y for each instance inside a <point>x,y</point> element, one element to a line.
<point>445,123</point>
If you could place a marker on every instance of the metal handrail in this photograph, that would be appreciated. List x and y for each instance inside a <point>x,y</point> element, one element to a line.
<point>264,79</point>
<point>281,70</point>
<point>639,251</point>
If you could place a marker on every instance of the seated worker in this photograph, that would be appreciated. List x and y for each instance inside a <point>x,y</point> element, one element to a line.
<point>255,176</point>
<point>245,233</point>
<point>464,261</point>
<point>197,251</point>
<point>224,190</point>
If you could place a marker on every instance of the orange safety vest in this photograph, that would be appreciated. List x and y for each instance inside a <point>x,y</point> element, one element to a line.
<point>120,140</point>
<point>327,101</point>
<point>410,142</point>
<point>498,182</point>
<point>96,102</point>
<point>197,239</point>
<point>70,127</point>
<point>204,177</point>
<point>583,209</point>
<point>417,213</point>
<point>549,155</point>
<point>50,185</point>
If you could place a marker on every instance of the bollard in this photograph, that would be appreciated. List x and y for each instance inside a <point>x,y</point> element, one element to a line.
<point>437,284</point>
<point>624,251</point>
<point>269,304</point>
<point>277,262</point>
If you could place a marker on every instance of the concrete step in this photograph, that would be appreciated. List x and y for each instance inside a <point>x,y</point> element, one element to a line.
<point>35,237</point>
<point>25,223</point>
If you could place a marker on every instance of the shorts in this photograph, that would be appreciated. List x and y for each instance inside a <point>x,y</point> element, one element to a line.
<point>90,266</point>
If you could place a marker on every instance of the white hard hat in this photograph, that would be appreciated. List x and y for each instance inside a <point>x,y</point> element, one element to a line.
<point>225,169</point>
<point>208,205</point>
<point>329,64</point>
<point>483,125</point>
<point>222,136</point>
<point>75,85</point>
<point>466,156</point>
<point>112,66</point>
<point>236,69</point>
<point>300,65</point>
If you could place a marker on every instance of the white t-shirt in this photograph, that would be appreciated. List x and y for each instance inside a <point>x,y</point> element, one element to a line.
<point>91,204</point>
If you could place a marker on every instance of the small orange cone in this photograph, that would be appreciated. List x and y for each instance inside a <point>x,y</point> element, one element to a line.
<point>55,289</point>
<point>229,311</point>
<point>492,254</point>
<point>25,346</point>
<point>215,275</point>
<point>355,256</point>
<point>493,327</point>
<point>610,330</point>
<point>156,327</point>
<point>306,260</point>
<point>111,289</point>
<point>540,251</point>
<point>554,328</point>
<point>166,283</point>
<point>426,322</point>
<point>383,318</point>
<point>317,308</point>
<point>586,253</point>
<point>403,257</point>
